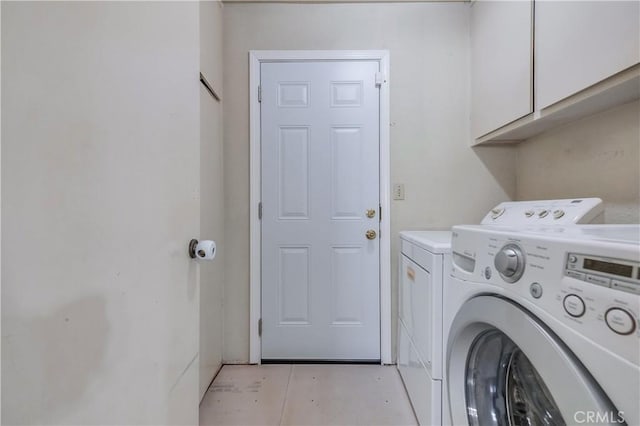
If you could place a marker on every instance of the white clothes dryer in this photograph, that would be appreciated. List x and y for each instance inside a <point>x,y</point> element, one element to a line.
<point>419,357</point>
<point>541,325</point>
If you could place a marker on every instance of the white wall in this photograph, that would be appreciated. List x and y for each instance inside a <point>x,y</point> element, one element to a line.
<point>100,195</point>
<point>212,193</point>
<point>598,156</point>
<point>446,182</point>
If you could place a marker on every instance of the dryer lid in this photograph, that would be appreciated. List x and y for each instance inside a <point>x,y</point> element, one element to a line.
<point>436,242</point>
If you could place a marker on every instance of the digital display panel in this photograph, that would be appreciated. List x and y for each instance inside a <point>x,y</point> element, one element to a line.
<point>608,267</point>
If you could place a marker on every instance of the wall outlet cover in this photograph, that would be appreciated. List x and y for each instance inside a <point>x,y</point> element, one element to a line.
<point>398,191</point>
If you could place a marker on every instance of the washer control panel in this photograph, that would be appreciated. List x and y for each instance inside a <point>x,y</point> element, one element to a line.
<point>591,285</point>
<point>618,274</point>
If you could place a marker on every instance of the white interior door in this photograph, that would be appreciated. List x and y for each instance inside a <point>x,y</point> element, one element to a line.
<point>320,176</point>
<point>100,324</point>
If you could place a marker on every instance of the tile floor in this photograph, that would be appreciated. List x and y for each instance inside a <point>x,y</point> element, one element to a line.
<point>307,394</point>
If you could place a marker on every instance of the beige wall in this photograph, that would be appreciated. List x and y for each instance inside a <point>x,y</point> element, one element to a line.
<point>598,156</point>
<point>212,193</point>
<point>100,196</point>
<point>446,182</point>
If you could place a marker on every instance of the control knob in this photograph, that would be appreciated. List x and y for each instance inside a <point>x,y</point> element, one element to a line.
<point>497,212</point>
<point>510,262</point>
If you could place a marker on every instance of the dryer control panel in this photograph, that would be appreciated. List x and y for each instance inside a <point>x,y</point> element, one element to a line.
<point>546,212</point>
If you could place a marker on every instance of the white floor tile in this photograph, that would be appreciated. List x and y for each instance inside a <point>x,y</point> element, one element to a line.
<point>346,395</point>
<point>307,395</point>
<point>246,395</point>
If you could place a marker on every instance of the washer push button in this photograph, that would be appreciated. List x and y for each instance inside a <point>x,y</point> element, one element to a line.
<point>574,305</point>
<point>574,274</point>
<point>620,321</point>
<point>594,279</point>
<point>624,286</point>
<point>536,290</point>
<point>487,272</point>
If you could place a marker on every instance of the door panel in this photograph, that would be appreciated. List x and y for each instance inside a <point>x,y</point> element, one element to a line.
<point>293,172</point>
<point>294,285</point>
<point>320,174</point>
<point>346,285</point>
<point>346,173</point>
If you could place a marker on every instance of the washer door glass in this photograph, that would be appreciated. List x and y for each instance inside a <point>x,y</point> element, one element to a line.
<point>503,387</point>
<point>506,367</point>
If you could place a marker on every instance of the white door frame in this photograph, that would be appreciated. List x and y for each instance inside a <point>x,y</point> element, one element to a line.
<point>255,286</point>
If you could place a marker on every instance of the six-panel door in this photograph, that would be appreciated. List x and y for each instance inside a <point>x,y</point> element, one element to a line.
<point>320,176</point>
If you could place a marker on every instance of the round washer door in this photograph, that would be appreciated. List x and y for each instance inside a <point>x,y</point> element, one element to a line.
<point>504,367</point>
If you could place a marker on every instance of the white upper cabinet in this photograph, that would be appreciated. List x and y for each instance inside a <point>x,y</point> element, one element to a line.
<point>580,43</point>
<point>501,63</point>
<point>542,64</point>
<point>211,43</point>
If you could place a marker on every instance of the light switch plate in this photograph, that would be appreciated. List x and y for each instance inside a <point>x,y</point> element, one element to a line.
<point>398,191</point>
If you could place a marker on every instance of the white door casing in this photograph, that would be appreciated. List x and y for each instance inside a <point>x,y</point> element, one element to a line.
<point>324,161</point>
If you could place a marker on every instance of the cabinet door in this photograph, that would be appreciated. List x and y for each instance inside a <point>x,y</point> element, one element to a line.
<point>501,64</point>
<point>580,43</point>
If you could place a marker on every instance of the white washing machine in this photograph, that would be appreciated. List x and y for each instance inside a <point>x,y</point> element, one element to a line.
<point>541,325</point>
<point>424,265</point>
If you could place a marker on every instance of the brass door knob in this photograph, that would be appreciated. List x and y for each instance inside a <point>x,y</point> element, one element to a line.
<point>371,234</point>
<point>371,213</point>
